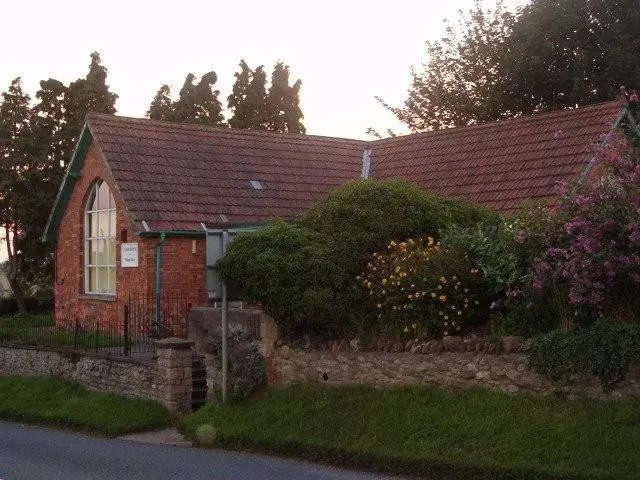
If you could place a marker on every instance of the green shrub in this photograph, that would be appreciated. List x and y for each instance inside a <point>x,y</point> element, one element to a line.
<point>492,249</point>
<point>606,350</point>
<point>527,313</point>
<point>363,216</point>
<point>206,434</point>
<point>419,289</point>
<point>291,271</point>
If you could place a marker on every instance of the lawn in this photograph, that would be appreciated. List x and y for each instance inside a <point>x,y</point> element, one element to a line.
<point>50,401</point>
<point>428,432</point>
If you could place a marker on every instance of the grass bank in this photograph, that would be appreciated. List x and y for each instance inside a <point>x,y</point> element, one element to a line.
<point>430,433</point>
<point>50,401</point>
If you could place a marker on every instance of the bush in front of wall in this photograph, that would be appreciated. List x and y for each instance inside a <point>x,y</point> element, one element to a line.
<point>419,289</point>
<point>605,350</point>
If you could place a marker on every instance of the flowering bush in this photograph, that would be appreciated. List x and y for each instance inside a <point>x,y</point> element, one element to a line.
<point>420,289</point>
<point>592,240</point>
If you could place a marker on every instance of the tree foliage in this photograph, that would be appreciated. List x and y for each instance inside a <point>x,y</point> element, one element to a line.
<point>196,103</point>
<point>283,102</point>
<point>461,83</point>
<point>252,106</point>
<point>548,55</point>
<point>277,109</point>
<point>15,157</point>
<point>36,144</point>
<point>247,101</point>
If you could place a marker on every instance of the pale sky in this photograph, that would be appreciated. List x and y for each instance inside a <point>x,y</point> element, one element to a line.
<point>345,52</point>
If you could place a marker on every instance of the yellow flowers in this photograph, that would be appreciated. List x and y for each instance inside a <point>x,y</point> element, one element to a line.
<point>413,285</point>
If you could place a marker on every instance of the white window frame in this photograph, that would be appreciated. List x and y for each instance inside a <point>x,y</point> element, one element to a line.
<point>100,238</point>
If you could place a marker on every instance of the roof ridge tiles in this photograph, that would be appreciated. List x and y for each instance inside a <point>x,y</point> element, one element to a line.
<point>191,127</point>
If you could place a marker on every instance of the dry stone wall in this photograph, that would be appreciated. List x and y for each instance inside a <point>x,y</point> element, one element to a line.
<point>452,370</point>
<point>165,378</point>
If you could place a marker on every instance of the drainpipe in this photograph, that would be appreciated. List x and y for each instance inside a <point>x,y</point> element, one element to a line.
<point>156,321</point>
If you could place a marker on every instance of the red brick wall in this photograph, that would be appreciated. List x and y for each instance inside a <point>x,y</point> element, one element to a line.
<point>183,272</point>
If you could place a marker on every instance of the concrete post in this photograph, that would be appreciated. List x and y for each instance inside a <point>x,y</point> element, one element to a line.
<point>174,373</point>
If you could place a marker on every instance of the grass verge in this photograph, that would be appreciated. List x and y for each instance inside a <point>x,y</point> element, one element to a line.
<point>430,433</point>
<point>50,401</point>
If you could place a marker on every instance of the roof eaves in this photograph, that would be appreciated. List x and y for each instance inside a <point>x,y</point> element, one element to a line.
<point>68,182</point>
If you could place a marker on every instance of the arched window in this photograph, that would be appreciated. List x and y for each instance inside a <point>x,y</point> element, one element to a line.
<point>100,241</point>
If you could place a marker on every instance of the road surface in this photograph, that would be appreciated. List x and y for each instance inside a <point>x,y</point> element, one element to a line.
<point>33,453</point>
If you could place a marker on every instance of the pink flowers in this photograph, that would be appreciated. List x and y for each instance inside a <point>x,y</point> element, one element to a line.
<point>593,237</point>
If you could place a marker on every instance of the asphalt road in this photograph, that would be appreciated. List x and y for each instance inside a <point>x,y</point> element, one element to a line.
<point>32,453</point>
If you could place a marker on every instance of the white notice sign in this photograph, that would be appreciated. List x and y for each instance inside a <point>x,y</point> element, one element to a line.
<point>128,255</point>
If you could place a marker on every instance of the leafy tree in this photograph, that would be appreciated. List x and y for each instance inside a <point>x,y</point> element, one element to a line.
<point>248,99</point>
<point>197,102</point>
<point>571,52</point>
<point>461,83</point>
<point>283,102</point>
<point>497,64</point>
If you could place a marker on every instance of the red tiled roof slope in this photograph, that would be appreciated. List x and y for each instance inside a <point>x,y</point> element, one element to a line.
<point>174,176</point>
<point>498,164</point>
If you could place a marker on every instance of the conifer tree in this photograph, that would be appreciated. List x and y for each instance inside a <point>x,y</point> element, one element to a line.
<point>161,106</point>
<point>283,109</point>
<point>197,102</point>
<point>248,98</point>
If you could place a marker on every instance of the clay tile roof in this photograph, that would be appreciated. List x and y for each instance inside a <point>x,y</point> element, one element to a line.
<point>498,164</point>
<point>175,176</point>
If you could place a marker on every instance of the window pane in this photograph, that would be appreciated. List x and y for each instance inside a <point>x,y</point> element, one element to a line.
<point>102,280</point>
<point>112,223</point>
<point>92,258</point>
<point>103,196</point>
<point>112,202</point>
<point>92,224</point>
<point>92,204</point>
<point>93,279</point>
<point>111,287</point>
<point>103,224</point>
<point>101,257</point>
<point>111,252</point>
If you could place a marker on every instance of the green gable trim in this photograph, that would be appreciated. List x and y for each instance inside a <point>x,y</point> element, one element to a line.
<point>68,182</point>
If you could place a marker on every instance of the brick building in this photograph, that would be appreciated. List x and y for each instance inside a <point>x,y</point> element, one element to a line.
<point>131,216</point>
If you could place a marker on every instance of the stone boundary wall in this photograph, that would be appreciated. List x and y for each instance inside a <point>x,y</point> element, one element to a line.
<point>165,378</point>
<point>453,363</point>
<point>451,370</point>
